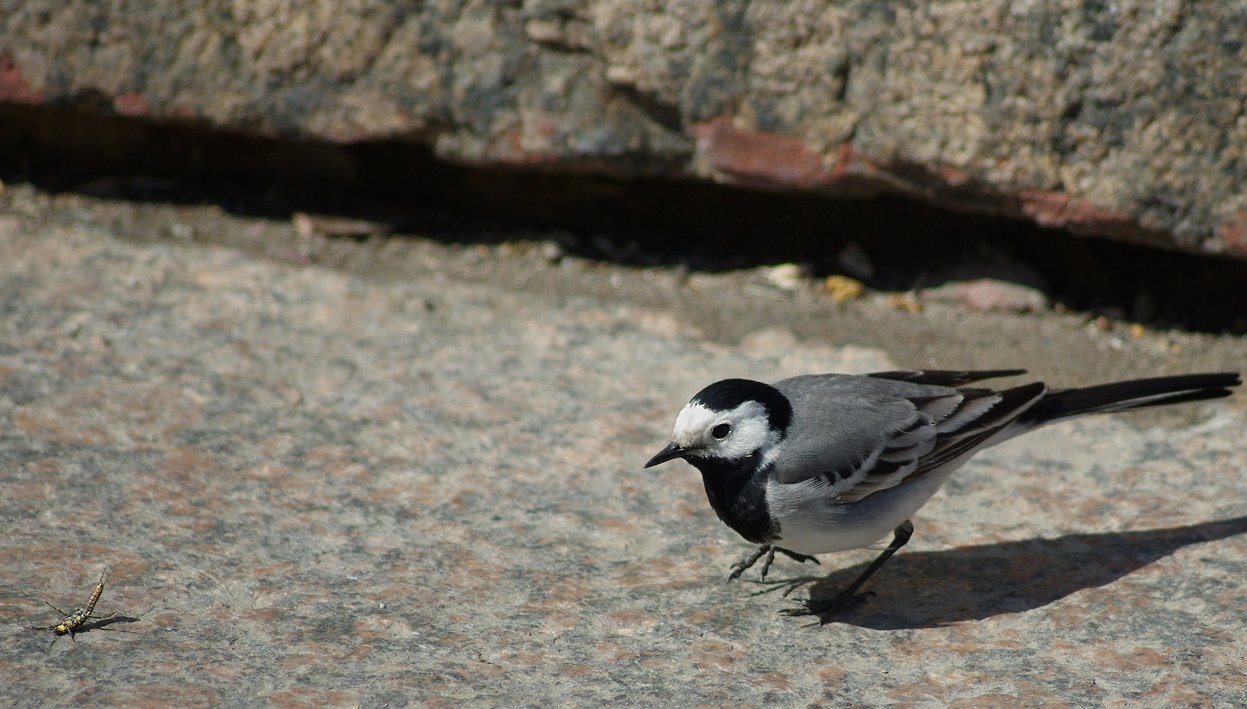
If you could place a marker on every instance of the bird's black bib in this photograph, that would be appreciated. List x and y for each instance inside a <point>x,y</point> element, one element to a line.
<point>737,492</point>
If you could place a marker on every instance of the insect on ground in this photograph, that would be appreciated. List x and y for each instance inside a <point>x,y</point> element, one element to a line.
<point>73,623</point>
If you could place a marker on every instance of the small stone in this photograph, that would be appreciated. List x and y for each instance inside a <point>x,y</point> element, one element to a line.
<point>621,75</point>
<point>989,294</point>
<point>843,288</point>
<point>309,224</point>
<point>786,276</point>
<point>1137,330</point>
<point>544,30</point>
<point>550,251</point>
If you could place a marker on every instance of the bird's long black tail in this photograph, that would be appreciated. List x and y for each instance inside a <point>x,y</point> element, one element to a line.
<point>1061,404</point>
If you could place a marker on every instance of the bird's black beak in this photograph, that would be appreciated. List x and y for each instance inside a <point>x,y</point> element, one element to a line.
<point>671,452</point>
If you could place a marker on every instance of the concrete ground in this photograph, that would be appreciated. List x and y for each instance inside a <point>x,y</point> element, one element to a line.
<point>402,473</point>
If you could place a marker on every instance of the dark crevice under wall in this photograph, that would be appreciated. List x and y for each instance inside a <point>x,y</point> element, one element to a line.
<point>646,222</point>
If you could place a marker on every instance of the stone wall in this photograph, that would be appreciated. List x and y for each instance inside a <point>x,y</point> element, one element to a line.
<point>1120,119</point>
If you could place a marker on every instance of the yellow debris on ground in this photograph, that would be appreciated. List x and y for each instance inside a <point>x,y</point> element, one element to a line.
<point>842,288</point>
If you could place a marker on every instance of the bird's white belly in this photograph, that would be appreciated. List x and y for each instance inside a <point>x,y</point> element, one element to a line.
<point>810,523</point>
<point>828,534</point>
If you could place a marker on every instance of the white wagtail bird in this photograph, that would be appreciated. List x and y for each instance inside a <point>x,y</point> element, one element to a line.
<point>831,462</point>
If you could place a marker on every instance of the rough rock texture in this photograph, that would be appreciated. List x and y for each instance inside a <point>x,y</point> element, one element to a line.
<point>317,488</point>
<point>1116,118</point>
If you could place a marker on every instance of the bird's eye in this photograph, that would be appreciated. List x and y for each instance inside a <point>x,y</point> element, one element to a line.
<point>721,430</point>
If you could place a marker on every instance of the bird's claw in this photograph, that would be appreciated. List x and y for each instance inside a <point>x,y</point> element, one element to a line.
<point>747,561</point>
<point>769,552</point>
<point>802,558</point>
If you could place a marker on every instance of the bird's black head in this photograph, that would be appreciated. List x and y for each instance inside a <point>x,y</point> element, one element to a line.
<point>729,394</point>
<point>728,420</point>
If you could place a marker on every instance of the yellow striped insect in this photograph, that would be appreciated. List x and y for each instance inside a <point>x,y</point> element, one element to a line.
<point>71,623</point>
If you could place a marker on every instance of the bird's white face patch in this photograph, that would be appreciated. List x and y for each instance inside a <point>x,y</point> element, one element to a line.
<point>749,430</point>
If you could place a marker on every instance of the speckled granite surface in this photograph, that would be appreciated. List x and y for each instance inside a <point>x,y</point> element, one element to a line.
<point>315,489</point>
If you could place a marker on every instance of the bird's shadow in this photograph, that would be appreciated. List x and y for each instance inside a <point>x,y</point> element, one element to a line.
<point>934,588</point>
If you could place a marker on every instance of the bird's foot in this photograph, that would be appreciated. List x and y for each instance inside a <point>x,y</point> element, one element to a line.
<point>828,608</point>
<point>749,560</point>
<point>769,552</point>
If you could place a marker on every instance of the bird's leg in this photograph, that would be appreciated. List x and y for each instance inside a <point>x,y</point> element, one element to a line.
<point>747,561</point>
<point>825,609</point>
<point>768,551</point>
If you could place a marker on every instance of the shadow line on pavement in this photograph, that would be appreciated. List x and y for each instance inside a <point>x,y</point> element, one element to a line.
<point>931,589</point>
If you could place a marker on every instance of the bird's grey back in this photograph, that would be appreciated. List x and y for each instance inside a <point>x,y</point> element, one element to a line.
<point>838,420</point>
